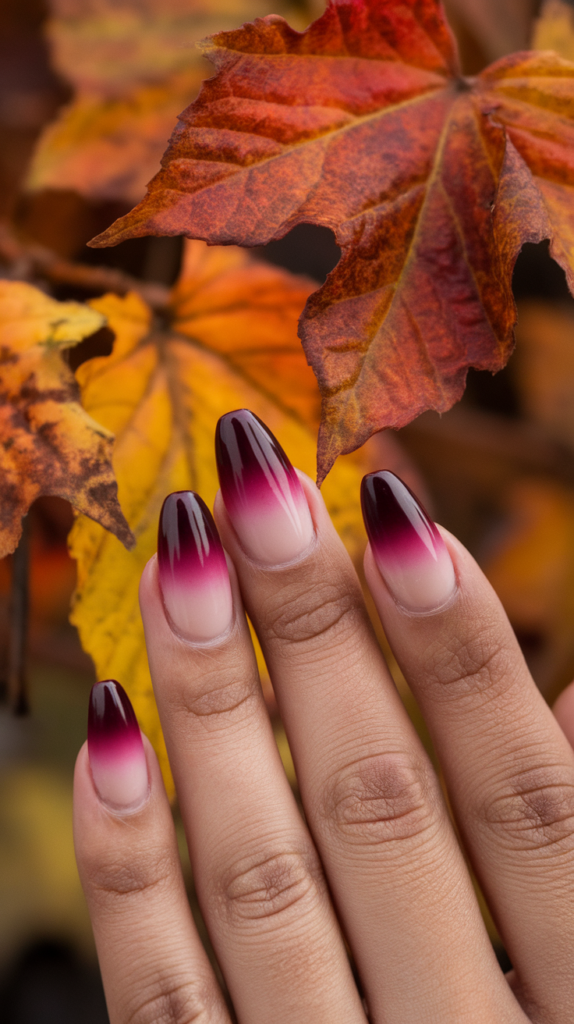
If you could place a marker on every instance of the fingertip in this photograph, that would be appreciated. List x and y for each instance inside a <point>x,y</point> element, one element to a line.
<point>82,774</point>
<point>149,583</point>
<point>564,712</point>
<point>319,512</point>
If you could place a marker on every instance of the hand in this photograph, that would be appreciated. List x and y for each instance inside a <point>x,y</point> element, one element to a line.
<point>376,864</point>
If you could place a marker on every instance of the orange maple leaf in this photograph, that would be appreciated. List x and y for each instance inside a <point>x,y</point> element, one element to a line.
<point>431,182</point>
<point>48,443</point>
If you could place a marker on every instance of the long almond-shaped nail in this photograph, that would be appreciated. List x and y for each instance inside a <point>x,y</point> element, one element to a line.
<point>261,490</point>
<point>192,569</point>
<point>115,748</point>
<point>408,549</point>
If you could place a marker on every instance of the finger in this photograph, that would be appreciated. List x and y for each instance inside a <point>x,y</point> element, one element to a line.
<point>153,965</point>
<point>564,712</point>
<point>370,796</point>
<point>257,874</point>
<point>508,767</point>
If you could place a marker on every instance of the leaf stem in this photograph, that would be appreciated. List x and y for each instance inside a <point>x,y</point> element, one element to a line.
<point>17,675</point>
<point>28,258</point>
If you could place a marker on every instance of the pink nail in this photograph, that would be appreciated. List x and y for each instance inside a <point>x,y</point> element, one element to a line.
<point>115,748</point>
<point>192,569</point>
<point>261,490</point>
<point>408,549</point>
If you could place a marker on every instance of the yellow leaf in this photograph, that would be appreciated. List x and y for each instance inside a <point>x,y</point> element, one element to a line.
<point>554,29</point>
<point>48,442</point>
<point>532,570</point>
<point>543,366</point>
<point>108,148</point>
<point>230,342</point>
<point>134,68</point>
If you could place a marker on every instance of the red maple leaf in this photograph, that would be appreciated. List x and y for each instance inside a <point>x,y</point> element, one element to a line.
<point>431,182</point>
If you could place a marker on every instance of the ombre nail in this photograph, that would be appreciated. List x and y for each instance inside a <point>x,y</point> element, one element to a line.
<point>408,549</point>
<point>192,569</point>
<point>115,748</point>
<point>261,490</point>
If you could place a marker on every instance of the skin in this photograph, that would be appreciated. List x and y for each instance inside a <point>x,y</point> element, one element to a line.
<point>377,859</point>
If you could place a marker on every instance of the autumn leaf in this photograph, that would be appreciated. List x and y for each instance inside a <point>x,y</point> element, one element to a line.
<point>543,370</point>
<point>554,28</point>
<point>229,341</point>
<point>134,67</point>
<point>531,567</point>
<point>48,443</point>
<point>498,28</point>
<point>430,181</point>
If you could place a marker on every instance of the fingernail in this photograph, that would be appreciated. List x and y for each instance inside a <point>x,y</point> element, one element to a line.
<point>261,490</point>
<point>115,748</point>
<point>192,569</point>
<point>409,551</point>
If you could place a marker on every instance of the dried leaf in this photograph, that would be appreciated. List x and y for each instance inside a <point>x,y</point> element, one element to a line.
<point>108,149</point>
<point>554,29</point>
<point>48,443</point>
<point>134,66</point>
<point>230,342</point>
<point>544,366</point>
<point>500,28</point>
<point>532,570</point>
<point>432,183</point>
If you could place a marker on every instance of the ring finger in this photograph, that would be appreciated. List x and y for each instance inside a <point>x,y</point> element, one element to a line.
<point>373,803</point>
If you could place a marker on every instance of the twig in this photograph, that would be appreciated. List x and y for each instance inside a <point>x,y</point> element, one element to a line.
<point>27,259</point>
<point>17,680</point>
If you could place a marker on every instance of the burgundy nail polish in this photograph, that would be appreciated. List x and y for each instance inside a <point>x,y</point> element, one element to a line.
<point>408,548</point>
<point>115,748</point>
<point>261,490</point>
<point>192,569</point>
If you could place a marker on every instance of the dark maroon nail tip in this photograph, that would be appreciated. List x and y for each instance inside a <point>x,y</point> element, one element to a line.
<point>112,723</point>
<point>188,546</point>
<point>252,466</point>
<point>395,519</point>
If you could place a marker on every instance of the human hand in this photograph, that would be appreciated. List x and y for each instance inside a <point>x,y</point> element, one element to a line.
<point>377,864</point>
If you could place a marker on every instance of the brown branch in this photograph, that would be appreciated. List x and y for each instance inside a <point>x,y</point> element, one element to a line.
<point>17,676</point>
<point>27,259</point>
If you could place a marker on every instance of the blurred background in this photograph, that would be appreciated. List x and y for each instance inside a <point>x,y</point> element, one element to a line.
<point>89,94</point>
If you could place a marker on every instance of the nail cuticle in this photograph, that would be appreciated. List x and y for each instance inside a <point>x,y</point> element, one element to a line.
<point>278,566</point>
<point>425,613</point>
<point>119,812</point>
<point>207,644</point>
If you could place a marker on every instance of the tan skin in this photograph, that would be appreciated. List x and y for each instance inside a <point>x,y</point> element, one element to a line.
<point>376,864</point>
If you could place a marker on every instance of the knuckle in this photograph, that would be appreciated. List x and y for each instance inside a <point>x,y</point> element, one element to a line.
<point>113,880</point>
<point>536,811</point>
<point>218,696</point>
<point>472,664</point>
<point>318,612</point>
<point>186,1003</point>
<point>381,799</point>
<point>270,887</point>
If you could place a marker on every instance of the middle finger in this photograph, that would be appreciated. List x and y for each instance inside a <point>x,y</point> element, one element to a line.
<point>371,798</point>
